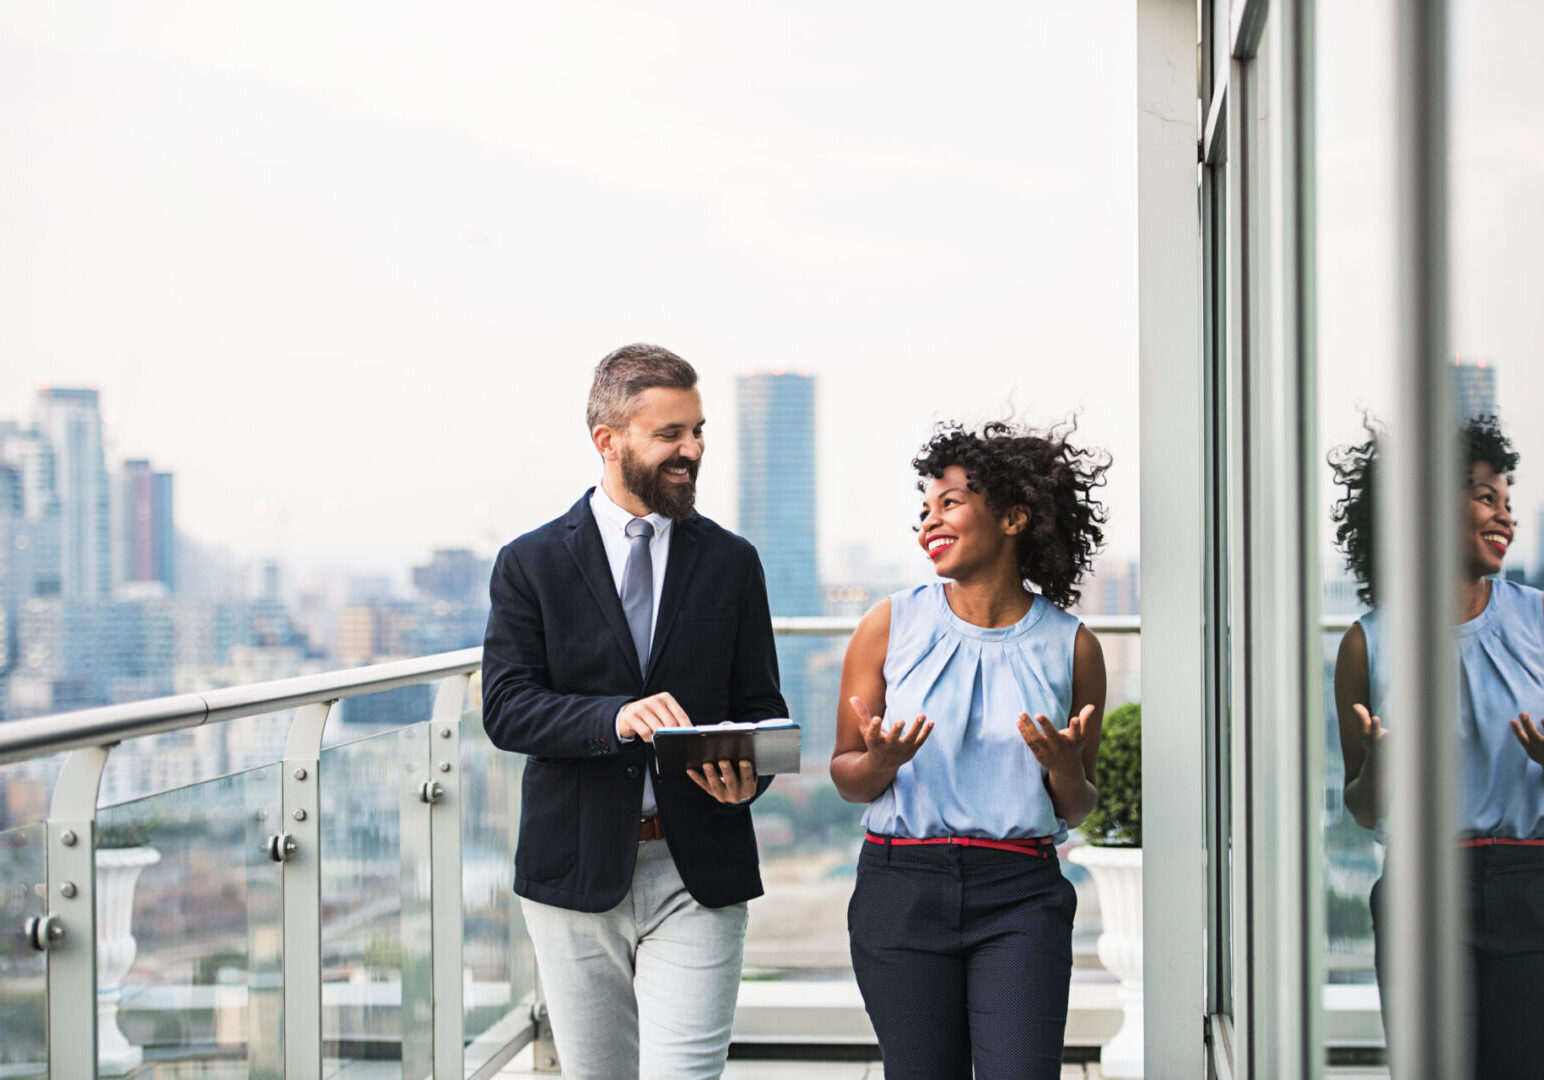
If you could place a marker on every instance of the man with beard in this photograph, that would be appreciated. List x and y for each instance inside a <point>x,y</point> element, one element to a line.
<point>628,614</point>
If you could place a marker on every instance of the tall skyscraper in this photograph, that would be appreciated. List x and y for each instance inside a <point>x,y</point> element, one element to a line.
<point>777,485</point>
<point>147,540</point>
<point>777,514</point>
<point>32,556</point>
<point>1474,389</point>
<point>71,421</point>
<point>10,531</point>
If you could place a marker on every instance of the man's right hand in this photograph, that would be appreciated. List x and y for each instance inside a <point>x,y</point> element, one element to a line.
<point>642,718</point>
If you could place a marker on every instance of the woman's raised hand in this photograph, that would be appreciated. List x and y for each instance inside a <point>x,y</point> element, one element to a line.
<point>1057,750</point>
<point>1530,734</point>
<point>1373,732</point>
<point>1372,727</point>
<point>894,748</point>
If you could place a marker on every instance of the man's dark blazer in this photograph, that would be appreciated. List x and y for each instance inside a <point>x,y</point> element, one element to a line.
<point>559,663</point>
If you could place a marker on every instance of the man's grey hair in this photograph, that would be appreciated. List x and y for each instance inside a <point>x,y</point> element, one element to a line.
<point>624,374</point>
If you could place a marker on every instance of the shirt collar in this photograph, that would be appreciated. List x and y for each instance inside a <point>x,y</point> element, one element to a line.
<point>608,515</point>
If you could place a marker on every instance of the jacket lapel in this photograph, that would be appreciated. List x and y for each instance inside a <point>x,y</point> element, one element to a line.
<point>684,546</point>
<point>584,544</point>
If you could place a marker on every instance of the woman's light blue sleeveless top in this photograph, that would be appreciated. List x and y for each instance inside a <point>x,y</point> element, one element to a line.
<point>975,776</point>
<point>1500,674</point>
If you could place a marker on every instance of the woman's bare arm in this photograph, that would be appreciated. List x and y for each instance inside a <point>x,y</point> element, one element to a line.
<point>866,756</point>
<point>1072,789</point>
<point>1358,730</point>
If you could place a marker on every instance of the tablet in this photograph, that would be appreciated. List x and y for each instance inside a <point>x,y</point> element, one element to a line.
<point>772,746</point>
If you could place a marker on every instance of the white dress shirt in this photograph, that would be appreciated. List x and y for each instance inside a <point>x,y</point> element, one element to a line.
<point>612,521</point>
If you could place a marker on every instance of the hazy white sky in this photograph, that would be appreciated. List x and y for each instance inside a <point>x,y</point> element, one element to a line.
<point>353,263</point>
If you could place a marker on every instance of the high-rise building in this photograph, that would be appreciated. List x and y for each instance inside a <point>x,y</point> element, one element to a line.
<point>32,554</point>
<point>1474,389</point>
<point>455,575</point>
<point>71,421</point>
<point>147,541</point>
<point>777,514</point>
<point>10,530</point>
<point>777,485</point>
<point>1114,588</point>
<point>1538,551</point>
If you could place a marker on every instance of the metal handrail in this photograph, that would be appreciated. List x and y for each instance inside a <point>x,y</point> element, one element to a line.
<point>33,737</point>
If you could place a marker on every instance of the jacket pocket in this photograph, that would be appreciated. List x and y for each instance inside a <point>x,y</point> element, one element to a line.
<point>549,819</point>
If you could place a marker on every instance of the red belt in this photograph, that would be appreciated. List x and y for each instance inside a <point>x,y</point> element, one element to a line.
<point>1494,841</point>
<point>1041,846</point>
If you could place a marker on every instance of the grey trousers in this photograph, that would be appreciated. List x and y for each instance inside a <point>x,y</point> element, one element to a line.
<point>646,990</point>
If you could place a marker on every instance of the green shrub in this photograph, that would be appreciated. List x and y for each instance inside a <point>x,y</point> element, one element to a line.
<point>125,830</point>
<point>1117,820</point>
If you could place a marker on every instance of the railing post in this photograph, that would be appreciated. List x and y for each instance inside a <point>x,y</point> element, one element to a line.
<point>69,932</point>
<point>446,904</point>
<point>419,790</point>
<point>544,1048</point>
<point>302,862</point>
<point>265,950</point>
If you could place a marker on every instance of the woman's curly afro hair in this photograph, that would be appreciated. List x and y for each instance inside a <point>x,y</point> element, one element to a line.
<point>1356,470</point>
<point>1055,480</point>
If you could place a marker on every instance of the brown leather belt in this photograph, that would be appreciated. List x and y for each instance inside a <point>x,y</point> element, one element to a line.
<point>650,829</point>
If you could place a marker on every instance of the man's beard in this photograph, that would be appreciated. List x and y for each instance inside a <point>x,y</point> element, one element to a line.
<point>669,498</point>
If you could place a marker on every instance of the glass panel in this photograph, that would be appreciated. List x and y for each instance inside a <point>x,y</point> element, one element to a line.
<point>807,834</point>
<point>26,787</point>
<point>23,970</point>
<point>500,979</point>
<point>190,932</point>
<point>1496,227</point>
<point>157,763</point>
<point>375,891</point>
<point>1356,274</point>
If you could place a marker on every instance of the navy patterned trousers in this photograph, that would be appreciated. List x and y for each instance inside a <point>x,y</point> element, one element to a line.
<point>963,956</point>
<point>1505,955</point>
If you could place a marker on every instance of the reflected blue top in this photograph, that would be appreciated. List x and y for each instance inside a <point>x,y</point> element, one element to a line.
<point>974,776</point>
<point>1500,674</point>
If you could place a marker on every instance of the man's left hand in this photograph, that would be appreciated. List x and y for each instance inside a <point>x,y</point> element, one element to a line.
<point>724,782</point>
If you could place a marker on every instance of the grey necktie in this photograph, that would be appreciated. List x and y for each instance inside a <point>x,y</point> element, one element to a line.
<point>638,587</point>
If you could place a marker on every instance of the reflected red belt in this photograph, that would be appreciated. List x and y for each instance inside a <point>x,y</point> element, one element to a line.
<point>1498,841</point>
<point>1041,846</point>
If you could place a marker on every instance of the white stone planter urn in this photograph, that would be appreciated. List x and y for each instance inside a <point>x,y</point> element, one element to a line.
<point>1117,873</point>
<point>117,872</point>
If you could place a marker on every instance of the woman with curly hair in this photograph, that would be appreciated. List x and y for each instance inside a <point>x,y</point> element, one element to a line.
<point>961,921</point>
<point>1499,648</point>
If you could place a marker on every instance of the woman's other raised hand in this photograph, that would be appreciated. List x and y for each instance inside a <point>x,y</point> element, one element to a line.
<point>1057,749</point>
<point>1530,734</point>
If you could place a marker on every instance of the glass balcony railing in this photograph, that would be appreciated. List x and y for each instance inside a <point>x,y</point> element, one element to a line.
<point>264,881</point>
<point>309,898</point>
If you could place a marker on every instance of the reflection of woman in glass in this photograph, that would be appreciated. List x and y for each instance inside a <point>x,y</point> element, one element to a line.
<point>961,922</point>
<point>1500,649</point>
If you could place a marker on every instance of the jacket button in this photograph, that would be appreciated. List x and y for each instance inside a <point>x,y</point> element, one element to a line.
<point>632,772</point>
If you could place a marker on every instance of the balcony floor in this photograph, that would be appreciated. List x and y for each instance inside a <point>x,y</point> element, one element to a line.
<point>520,1069</point>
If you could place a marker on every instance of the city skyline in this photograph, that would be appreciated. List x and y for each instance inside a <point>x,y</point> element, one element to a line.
<point>719,498</point>
<point>73,639</point>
